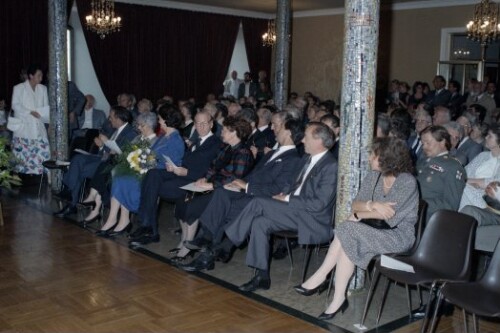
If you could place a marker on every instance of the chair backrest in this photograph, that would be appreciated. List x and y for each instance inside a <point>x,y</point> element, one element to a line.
<point>492,276</point>
<point>420,225</point>
<point>447,243</point>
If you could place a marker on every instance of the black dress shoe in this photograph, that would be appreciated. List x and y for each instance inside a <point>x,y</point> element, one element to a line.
<point>67,210</point>
<point>197,243</point>
<point>258,282</point>
<point>104,233</point>
<point>223,255</point>
<point>90,204</point>
<point>145,239</point>
<point>280,253</point>
<point>179,260</point>
<point>308,292</point>
<point>174,250</point>
<point>92,220</point>
<point>139,232</point>
<point>328,316</point>
<point>204,261</point>
<point>127,229</point>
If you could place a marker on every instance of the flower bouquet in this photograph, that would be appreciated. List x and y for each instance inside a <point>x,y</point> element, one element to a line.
<point>135,160</point>
<point>7,162</point>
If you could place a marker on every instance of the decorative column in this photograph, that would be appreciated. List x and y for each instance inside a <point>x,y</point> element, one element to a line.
<point>361,23</point>
<point>58,84</point>
<point>282,56</point>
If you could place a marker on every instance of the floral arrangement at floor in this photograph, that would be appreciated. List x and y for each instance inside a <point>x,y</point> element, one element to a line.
<point>7,161</point>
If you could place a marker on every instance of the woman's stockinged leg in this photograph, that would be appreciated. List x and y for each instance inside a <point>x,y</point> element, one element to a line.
<point>343,273</point>
<point>124,218</point>
<point>113,213</point>
<point>326,267</point>
<point>97,209</point>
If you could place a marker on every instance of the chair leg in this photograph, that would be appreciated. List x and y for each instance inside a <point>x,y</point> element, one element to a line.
<point>419,291</point>
<point>408,298</point>
<point>384,296</point>
<point>40,186</point>
<point>428,307</point>
<point>307,258</point>
<point>474,322</point>
<point>289,252</point>
<point>436,310</point>
<point>369,297</point>
<point>464,315</point>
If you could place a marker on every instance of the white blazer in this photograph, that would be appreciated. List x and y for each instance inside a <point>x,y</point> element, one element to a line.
<point>25,100</point>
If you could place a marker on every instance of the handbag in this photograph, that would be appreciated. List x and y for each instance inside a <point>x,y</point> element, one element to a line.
<point>14,124</point>
<point>376,223</point>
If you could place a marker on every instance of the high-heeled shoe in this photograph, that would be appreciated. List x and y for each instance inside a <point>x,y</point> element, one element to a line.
<point>328,316</point>
<point>92,220</point>
<point>308,292</point>
<point>180,259</point>
<point>105,233</point>
<point>90,204</point>
<point>127,230</point>
<point>174,250</point>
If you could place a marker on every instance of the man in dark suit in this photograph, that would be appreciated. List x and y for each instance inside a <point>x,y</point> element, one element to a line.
<point>439,96</point>
<point>306,206</point>
<point>76,102</point>
<point>264,135</point>
<point>270,176</point>
<point>165,184</point>
<point>90,122</point>
<point>467,148</point>
<point>456,99</point>
<point>422,120</point>
<point>84,166</point>
<point>247,87</point>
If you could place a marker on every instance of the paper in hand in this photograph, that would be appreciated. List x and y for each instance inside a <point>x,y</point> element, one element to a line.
<point>113,146</point>
<point>44,112</point>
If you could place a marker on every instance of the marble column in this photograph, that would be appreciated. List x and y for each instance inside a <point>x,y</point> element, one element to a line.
<point>58,84</point>
<point>361,23</point>
<point>282,55</point>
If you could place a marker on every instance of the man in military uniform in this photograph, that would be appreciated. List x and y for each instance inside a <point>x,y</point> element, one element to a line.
<point>441,177</point>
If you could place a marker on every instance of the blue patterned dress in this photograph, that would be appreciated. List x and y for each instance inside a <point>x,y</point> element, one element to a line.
<point>127,189</point>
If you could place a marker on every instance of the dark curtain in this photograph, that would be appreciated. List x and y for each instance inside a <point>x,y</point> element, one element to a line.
<point>259,56</point>
<point>161,51</point>
<point>24,38</point>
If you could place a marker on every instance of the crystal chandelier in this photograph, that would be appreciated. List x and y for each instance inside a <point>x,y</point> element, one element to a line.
<point>103,20</point>
<point>484,26</point>
<point>269,37</point>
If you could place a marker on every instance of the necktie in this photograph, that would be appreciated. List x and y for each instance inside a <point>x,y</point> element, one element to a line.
<point>196,144</point>
<point>416,147</point>
<point>273,155</point>
<point>300,178</point>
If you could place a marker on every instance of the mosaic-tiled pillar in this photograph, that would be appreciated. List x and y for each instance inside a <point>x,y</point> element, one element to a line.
<point>282,56</point>
<point>58,84</point>
<point>361,23</point>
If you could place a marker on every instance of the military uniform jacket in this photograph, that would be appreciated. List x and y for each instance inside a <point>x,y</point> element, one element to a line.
<point>441,180</point>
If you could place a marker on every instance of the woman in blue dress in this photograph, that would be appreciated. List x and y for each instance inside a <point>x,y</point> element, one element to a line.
<point>126,190</point>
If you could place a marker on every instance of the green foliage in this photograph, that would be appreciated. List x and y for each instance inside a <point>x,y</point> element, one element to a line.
<point>135,160</point>
<point>7,162</point>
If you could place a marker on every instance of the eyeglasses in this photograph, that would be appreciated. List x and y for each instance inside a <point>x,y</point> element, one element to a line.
<point>201,124</point>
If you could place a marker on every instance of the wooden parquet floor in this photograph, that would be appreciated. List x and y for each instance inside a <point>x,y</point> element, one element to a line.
<point>56,277</point>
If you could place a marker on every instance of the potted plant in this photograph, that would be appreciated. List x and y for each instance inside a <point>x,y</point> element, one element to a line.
<point>7,160</point>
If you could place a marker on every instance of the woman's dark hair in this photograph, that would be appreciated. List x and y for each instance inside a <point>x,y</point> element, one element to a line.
<point>480,110</point>
<point>238,125</point>
<point>171,115</point>
<point>415,85</point>
<point>384,123</point>
<point>221,110</point>
<point>439,133</point>
<point>249,115</point>
<point>400,124</point>
<point>31,70</point>
<point>393,156</point>
<point>296,128</point>
<point>495,129</point>
<point>122,113</point>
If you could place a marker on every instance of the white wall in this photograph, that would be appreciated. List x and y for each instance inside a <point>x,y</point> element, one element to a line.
<point>239,60</point>
<point>83,73</point>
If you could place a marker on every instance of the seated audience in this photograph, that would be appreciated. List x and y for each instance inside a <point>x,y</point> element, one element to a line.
<point>441,178</point>
<point>334,123</point>
<point>188,111</point>
<point>268,178</point>
<point>305,206</point>
<point>85,166</point>
<point>166,183</point>
<point>125,190</point>
<point>489,211</point>
<point>478,133</point>
<point>439,96</point>
<point>467,148</point>
<point>382,126</point>
<point>389,192</point>
<point>441,116</point>
<point>418,95</point>
<point>483,169</point>
<point>234,161</point>
<point>264,136</point>
<point>422,121</point>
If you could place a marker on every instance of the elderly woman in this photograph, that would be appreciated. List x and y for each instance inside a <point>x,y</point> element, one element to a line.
<point>234,161</point>
<point>440,176</point>
<point>482,170</point>
<point>125,190</point>
<point>389,192</point>
<point>30,144</point>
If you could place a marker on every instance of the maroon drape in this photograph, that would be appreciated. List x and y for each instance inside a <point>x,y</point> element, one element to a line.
<point>259,56</point>
<point>23,38</point>
<point>162,51</point>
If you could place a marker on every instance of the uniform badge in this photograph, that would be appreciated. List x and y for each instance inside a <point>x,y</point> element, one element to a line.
<point>437,168</point>
<point>459,175</point>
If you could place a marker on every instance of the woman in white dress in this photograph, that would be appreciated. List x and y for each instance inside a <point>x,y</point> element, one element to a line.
<point>482,170</point>
<point>30,143</point>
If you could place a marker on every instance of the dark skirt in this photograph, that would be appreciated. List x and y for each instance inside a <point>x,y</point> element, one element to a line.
<point>190,211</point>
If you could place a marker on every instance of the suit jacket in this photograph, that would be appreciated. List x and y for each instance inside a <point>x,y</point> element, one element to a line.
<point>126,135</point>
<point>316,200</point>
<point>76,102</point>
<point>197,162</point>
<point>261,140</point>
<point>268,179</point>
<point>441,99</point>
<point>252,90</point>
<point>419,154</point>
<point>98,119</point>
<point>467,151</point>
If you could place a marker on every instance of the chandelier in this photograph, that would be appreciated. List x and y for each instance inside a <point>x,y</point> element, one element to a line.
<point>269,37</point>
<point>484,26</point>
<point>103,20</point>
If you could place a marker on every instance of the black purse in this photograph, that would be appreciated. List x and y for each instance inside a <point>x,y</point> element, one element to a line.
<point>376,223</point>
